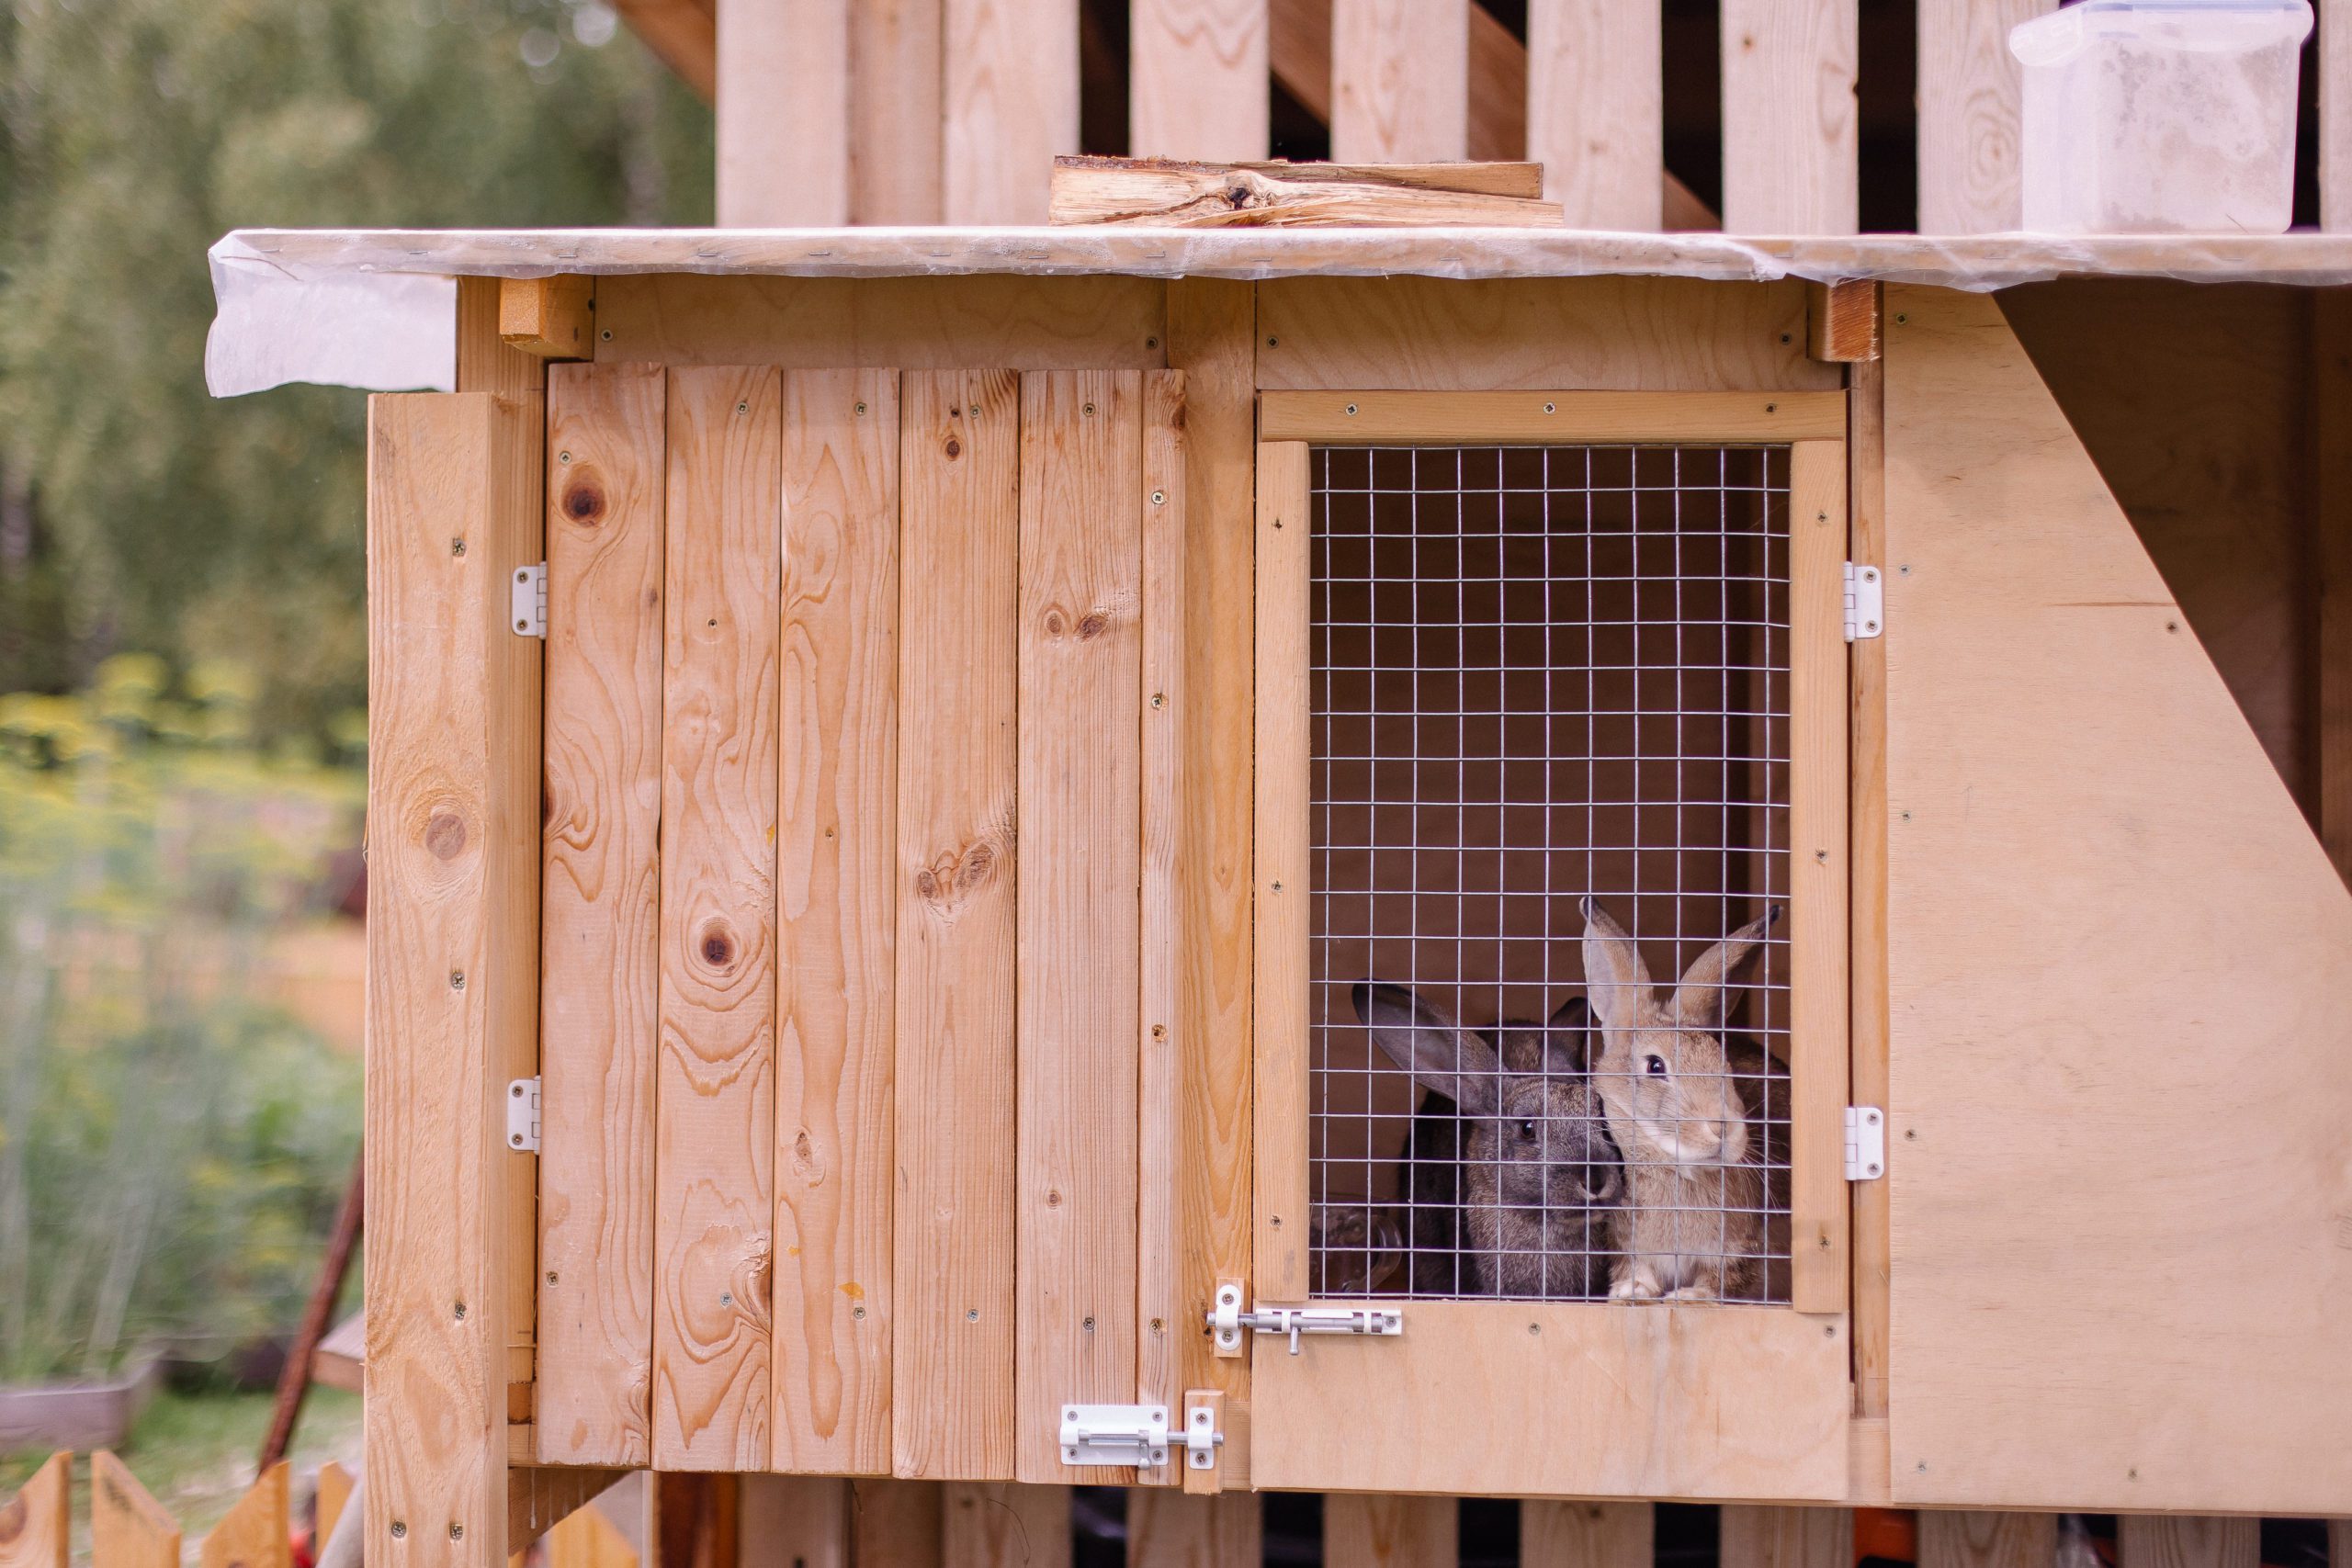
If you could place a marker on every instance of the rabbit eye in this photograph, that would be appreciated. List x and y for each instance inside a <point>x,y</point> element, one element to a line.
<point>1657,1065</point>
<point>1527,1128</point>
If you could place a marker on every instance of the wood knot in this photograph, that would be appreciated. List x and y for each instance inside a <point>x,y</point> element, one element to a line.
<point>445,835</point>
<point>955,876</point>
<point>955,447</point>
<point>1094,625</point>
<point>1053,1198</point>
<point>584,502</point>
<point>1053,622</point>
<point>717,945</point>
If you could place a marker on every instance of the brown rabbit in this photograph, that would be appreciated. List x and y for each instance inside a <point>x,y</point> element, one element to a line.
<point>1536,1170</point>
<point>1692,1228</point>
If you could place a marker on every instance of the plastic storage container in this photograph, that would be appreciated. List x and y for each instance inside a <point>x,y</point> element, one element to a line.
<point>2161,116</point>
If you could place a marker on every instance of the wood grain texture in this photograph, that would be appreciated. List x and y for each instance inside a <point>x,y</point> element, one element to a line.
<point>1170,193</point>
<point>1612,333</point>
<point>586,1538</point>
<point>2331,398</point>
<point>1003,1526</point>
<point>1596,116</point>
<point>2188,1541</point>
<point>1790,130</point>
<point>1558,416</point>
<point>1284,532</point>
<point>796,1521</point>
<point>36,1524</point>
<point>1957,1539</point>
<point>548,318</point>
<point>1166,1528</point>
<point>253,1533</point>
<point>715,1129</point>
<point>896,133</point>
<point>783,113</point>
<point>131,1529</point>
<point>1081,561</point>
<point>1375,1531</point>
<point>2335,60</point>
<point>1196,79</point>
<point>1594,1535</point>
<point>1009,69</point>
<point>334,1485</point>
<point>915,323</point>
<point>1754,1537</point>
<point>959,533</point>
<point>2339,1543</point>
<point>1400,81</point>
<point>453,884</point>
<point>1866,831</point>
<point>1211,336</point>
<point>836,920</point>
<point>539,1497</point>
<point>1842,321</point>
<point>600,910</point>
<point>896,1523</point>
<point>1970,97</point>
<point>2047,1032</point>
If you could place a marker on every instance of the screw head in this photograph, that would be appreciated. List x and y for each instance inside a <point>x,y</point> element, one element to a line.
<point>456,979</point>
<point>1550,408</point>
<point>858,1312</point>
<point>1152,342</point>
<point>1089,1325</point>
<point>1351,411</point>
<point>1159,699</point>
<point>1160,498</point>
<point>726,1298</point>
<point>457,1530</point>
<point>458,1311</point>
<point>551,1275</point>
<point>563,456</point>
<point>1088,411</point>
<point>1772,408</point>
<point>861,408</point>
<point>457,546</point>
<point>971,1315</point>
<point>400,1529</point>
<point>743,406</point>
<point>607,335</point>
<point>1273,342</point>
<point>1902,319</point>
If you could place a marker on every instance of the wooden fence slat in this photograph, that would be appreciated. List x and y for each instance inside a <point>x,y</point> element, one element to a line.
<point>1400,82</point>
<point>1970,108</point>
<point>253,1533</point>
<point>796,1521</point>
<point>1166,1528</point>
<point>37,1525</point>
<point>836,876</point>
<point>2335,59</point>
<point>453,885</point>
<point>1598,1535</point>
<point>1009,75</point>
<point>1196,80</point>
<point>895,129</point>
<point>1764,1537</point>
<point>1969,1539</point>
<point>333,1496</point>
<point>1080,653</point>
<point>1368,1529</point>
<point>600,958</point>
<point>2188,1541</point>
<point>1791,132</point>
<point>130,1529</point>
<point>959,530</point>
<point>999,1525</point>
<point>714,1190</point>
<point>896,1524</point>
<point>585,1538</point>
<point>1596,116</point>
<point>783,122</point>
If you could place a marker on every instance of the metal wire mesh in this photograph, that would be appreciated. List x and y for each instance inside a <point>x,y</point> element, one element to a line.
<point>1540,675</point>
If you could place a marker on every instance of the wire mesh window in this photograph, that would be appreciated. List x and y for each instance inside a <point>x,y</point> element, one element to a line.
<point>1542,676</point>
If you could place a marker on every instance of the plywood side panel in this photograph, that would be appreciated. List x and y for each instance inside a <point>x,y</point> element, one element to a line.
<point>1007,1527</point>
<point>1082,560</point>
<point>1596,116</point>
<point>895,133</point>
<point>1166,1528</point>
<point>1971,104</point>
<point>1791,129</point>
<point>836,917</point>
<point>1390,1531</point>
<point>1196,80</point>
<point>1954,1538</point>
<point>2055,1034</point>
<point>915,323</point>
<point>1400,81</point>
<point>959,532</point>
<point>715,1128</point>
<point>600,909</point>
<point>783,113</point>
<point>1756,1537</point>
<point>1596,1535</point>
<point>1615,333</point>
<point>1008,72</point>
<point>452,953</point>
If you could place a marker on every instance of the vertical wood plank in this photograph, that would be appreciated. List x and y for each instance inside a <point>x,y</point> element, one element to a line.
<point>1196,79</point>
<point>1819,879</point>
<point>36,1524</point>
<point>1165,1281</point>
<point>586,1538</point>
<point>959,531</point>
<point>130,1529</point>
<point>1596,116</point>
<point>1591,1535</point>
<point>783,113</point>
<point>1971,97</point>
<point>1211,337</point>
<point>1166,1528</point>
<point>714,1188</point>
<point>2188,1541</point>
<point>2335,126</point>
<point>1009,75</point>
<point>600,959</point>
<point>1953,1539</point>
<point>1400,81</point>
<point>333,1496</point>
<point>896,1524</point>
<point>2339,1543</point>
<point>1758,1536</point>
<point>836,913</point>
<point>695,1520</point>
<point>795,1521</point>
<point>1285,536</point>
<point>253,1533</point>
<point>452,960</point>
<point>1376,1530</point>
<point>2331,434</point>
<point>1001,1525</point>
<point>1081,562</point>
<point>895,130</point>
<point>1790,126</point>
<point>1869,1008</point>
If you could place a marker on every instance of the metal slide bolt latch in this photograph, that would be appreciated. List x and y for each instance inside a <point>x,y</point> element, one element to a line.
<point>1226,1320</point>
<point>1135,1435</point>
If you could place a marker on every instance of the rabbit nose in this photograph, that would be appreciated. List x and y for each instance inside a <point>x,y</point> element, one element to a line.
<point>1733,1137</point>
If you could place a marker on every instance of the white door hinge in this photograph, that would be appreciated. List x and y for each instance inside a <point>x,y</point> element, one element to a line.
<point>1226,1320</point>
<point>528,600</point>
<point>1865,1143</point>
<point>1865,603</point>
<point>522,1115</point>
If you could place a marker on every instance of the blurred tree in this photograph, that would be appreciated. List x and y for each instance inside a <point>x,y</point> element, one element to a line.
<point>137,513</point>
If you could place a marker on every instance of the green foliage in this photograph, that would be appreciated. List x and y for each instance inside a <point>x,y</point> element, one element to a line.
<point>135,132</point>
<point>171,1144</point>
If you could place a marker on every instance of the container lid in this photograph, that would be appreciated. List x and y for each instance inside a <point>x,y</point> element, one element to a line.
<point>2253,23</point>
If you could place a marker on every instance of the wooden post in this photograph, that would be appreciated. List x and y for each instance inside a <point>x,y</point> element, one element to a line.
<point>35,1526</point>
<point>1400,81</point>
<point>1759,1537</point>
<point>1595,1535</point>
<point>1596,118</point>
<point>1949,1539</point>
<point>1790,123</point>
<point>1010,78</point>
<point>783,120</point>
<point>1196,80</point>
<point>1970,91</point>
<point>1371,1530</point>
<point>1869,1006</point>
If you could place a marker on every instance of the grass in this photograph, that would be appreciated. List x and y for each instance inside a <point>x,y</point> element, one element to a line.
<point>195,1452</point>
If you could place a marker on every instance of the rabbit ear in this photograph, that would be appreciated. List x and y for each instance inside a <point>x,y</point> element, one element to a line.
<point>1614,978</point>
<point>1699,1001</point>
<point>1567,1038</point>
<point>1441,1055</point>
